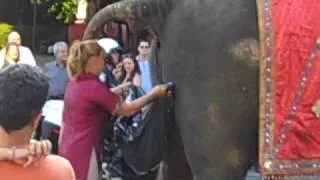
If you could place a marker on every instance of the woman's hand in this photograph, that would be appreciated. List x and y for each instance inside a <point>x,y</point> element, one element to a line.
<point>159,91</point>
<point>32,153</point>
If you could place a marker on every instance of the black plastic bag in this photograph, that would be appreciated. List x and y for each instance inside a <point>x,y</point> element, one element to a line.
<point>142,144</point>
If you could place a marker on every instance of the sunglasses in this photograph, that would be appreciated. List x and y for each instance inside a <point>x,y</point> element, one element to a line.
<point>144,47</point>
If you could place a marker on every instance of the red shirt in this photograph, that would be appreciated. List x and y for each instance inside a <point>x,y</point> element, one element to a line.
<point>87,104</point>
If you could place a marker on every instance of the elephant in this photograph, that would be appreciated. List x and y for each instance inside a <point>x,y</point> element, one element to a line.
<point>210,50</point>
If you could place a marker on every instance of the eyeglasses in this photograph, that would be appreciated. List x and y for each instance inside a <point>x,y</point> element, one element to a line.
<point>144,47</point>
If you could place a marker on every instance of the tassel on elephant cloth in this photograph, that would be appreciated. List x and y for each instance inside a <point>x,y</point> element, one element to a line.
<point>289,89</point>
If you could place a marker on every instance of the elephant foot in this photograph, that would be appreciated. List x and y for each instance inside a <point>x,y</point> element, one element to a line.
<point>221,174</point>
<point>180,173</point>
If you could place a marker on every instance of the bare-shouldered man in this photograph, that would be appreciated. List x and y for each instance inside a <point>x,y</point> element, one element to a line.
<point>23,92</point>
<point>49,168</point>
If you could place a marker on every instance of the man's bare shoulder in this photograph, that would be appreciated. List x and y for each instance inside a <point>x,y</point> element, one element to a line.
<point>54,159</point>
<point>49,168</point>
<point>57,165</point>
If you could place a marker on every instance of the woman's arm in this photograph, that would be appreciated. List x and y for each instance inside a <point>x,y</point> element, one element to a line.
<point>128,109</point>
<point>113,104</point>
<point>122,87</point>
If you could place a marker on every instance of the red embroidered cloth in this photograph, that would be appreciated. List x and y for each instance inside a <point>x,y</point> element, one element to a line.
<point>289,87</point>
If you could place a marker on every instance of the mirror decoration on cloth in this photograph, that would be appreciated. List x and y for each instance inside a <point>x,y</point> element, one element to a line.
<point>277,121</point>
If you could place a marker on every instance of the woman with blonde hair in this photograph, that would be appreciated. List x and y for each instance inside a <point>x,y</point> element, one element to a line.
<point>87,104</point>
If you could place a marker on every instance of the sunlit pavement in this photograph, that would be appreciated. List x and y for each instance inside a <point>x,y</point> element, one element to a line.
<point>252,175</point>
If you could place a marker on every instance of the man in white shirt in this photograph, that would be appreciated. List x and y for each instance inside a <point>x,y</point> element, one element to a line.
<point>26,56</point>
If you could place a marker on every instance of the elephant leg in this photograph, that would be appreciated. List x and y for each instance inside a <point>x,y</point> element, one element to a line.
<point>220,174</point>
<point>218,155</point>
<point>219,148</point>
<point>225,165</point>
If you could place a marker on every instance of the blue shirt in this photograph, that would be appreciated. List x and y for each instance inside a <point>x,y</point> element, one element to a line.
<point>146,83</point>
<point>58,79</point>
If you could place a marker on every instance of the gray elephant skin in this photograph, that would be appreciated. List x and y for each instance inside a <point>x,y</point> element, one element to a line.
<point>210,50</point>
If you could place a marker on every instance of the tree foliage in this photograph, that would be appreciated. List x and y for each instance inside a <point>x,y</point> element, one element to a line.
<point>5,30</point>
<point>64,10</point>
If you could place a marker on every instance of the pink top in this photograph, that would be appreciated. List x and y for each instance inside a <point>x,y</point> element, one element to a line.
<point>87,104</point>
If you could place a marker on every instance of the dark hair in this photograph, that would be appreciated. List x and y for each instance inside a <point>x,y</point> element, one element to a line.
<point>135,70</point>
<point>115,50</point>
<point>110,58</point>
<point>23,93</point>
<point>17,46</point>
<point>109,61</point>
<point>143,40</point>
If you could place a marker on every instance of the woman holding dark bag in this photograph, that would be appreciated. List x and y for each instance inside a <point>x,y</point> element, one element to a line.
<point>87,104</point>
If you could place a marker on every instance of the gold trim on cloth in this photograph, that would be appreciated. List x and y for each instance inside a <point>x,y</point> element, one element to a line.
<point>272,167</point>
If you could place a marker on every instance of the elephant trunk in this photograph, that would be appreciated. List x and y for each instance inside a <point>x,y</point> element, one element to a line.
<point>140,13</point>
<point>121,11</point>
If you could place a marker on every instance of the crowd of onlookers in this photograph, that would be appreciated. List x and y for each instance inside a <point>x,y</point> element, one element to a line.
<point>14,52</point>
<point>120,63</point>
<point>126,68</point>
<point>91,80</point>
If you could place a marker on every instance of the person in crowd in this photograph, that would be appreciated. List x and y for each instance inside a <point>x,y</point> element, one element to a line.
<point>131,71</point>
<point>12,55</point>
<point>58,80</point>
<point>118,72</point>
<point>112,48</point>
<point>20,111</point>
<point>107,76</point>
<point>56,71</point>
<point>26,56</point>
<point>143,59</point>
<point>116,55</point>
<point>87,104</point>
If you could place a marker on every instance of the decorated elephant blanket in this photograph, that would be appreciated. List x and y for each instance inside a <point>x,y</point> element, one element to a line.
<point>289,89</point>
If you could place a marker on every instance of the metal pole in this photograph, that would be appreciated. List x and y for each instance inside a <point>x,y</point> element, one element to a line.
<point>98,5</point>
<point>34,26</point>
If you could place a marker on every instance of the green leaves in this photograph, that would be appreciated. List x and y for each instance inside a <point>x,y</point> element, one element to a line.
<point>64,10</point>
<point>5,30</point>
